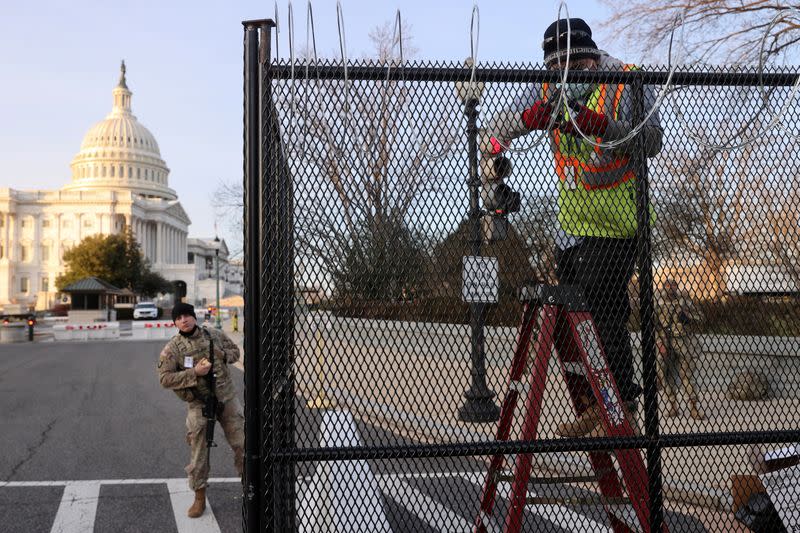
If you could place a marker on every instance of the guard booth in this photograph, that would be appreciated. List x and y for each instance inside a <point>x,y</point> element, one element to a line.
<point>385,407</point>
<point>93,300</point>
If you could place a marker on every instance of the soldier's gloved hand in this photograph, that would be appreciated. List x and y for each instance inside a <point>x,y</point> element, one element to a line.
<point>202,367</point>
<point>588,121</point>
<point>538,116</point>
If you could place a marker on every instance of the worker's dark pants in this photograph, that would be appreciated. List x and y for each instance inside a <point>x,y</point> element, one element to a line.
<point>603,268</point>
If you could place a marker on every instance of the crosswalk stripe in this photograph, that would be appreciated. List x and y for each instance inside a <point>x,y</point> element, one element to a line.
<point>78,507</point>
<point>435,514</point>
<point>139,481</point>
<point>182,497</point>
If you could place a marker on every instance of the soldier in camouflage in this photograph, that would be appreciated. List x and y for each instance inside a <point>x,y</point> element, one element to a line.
<point>677,346</point>
<point>183,366</point>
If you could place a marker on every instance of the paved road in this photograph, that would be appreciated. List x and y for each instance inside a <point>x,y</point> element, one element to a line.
<point>91,442</point>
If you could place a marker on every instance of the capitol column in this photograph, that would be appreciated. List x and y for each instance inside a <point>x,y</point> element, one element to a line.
<point>12,246</point>
<point>6,239</point>
<point>168,254</point>
<point>58,250</point>
<point>36,247</point>
<point>159,242</point>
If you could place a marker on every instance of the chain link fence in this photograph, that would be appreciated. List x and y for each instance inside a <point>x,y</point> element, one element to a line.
<point>386,255</point>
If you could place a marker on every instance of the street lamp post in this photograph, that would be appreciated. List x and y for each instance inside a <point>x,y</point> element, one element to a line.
<point>479,403</point>
<point>216,253</point>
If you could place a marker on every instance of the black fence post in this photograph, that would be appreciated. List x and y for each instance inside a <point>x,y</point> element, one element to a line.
<point>645,263</point>
<point>277,311</point>
<point>252,480</point>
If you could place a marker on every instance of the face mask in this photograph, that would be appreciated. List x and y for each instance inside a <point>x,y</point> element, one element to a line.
<point>578,91</point>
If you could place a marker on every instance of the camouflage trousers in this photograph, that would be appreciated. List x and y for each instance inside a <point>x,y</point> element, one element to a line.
<point>676,363</point>
<point>231,422</point>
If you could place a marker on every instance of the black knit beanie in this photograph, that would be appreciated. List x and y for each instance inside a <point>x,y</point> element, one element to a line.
<point>182,308</point>
<point>581,44</point>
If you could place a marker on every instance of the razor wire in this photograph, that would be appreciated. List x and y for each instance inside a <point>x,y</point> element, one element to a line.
<point>367,144</point>
<point>775,118</point>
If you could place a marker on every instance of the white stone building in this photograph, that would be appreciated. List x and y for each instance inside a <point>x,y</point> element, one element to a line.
<point>118,180</point>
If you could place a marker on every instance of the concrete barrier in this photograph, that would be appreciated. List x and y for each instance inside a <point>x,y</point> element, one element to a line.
<point>154,329</point>
<point>83,332</point>
<point>13,332</point>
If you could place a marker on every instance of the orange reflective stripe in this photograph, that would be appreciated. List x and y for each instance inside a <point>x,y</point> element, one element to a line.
<point>620,89</point>
<point>601,99</point>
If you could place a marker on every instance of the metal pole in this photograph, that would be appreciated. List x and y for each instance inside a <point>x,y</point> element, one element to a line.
<point>219,314</point>
<point>252,480</point>
<point>644,251</point>
<point>479,403</point>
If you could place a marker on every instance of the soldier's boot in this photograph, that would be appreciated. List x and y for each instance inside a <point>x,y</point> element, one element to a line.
<point>590,423</point>
<point>673,408</point>
<point>695,411</point>
<point>587,422</point>
<point>199,505</point>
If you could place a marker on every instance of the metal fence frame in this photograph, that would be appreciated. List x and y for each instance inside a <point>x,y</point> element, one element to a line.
<point>269,502</point>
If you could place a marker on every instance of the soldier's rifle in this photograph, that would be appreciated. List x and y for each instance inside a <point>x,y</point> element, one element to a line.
<point>211,404</point>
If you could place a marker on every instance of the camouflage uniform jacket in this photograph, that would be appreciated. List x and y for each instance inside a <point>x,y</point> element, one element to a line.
<point>174,374</point>
<point>676,316</point>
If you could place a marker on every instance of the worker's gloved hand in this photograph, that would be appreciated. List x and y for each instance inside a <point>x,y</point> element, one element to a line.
<point>538,116</point>
<point>589,122</point>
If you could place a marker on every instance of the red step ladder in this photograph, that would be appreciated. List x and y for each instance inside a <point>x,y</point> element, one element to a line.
<point>562,320</point>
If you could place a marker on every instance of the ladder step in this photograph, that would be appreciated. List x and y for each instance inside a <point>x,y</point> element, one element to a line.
<point>549,480</point>
<point>582,500</point>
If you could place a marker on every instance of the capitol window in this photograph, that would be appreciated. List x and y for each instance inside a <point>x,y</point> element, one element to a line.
<point>112,171</point>
<point>2,251</point>
<point>24,253</point>
<point>23,223</point>
<point>103,172</point>
<point>24,284</point>
<point>46,284</point>
<point>46,223</point>
<point>87,223</point>
<point>66,224</point>
<point>45,253</point>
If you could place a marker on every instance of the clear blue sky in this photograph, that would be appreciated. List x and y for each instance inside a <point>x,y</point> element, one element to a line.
<point>61,60</point>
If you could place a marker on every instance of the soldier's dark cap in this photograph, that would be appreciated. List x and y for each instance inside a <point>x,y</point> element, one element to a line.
<point>182,308</point>
<point>581,45</point>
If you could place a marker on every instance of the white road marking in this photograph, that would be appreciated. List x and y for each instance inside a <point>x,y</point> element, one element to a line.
<point>342,495</point>
<point>182,497</point>
<point>142,481</point>
<point>78,508</point>
<point>432,512</point>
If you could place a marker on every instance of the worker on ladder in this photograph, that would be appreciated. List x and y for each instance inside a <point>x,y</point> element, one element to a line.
<point>596,246</point>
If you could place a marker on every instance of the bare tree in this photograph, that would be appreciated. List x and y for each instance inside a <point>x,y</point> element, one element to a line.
<point>358,152</point>
<point>731,205</point>
<point>714,29</point>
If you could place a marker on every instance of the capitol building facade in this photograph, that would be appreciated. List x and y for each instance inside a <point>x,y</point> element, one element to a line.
<point>119,180</point>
